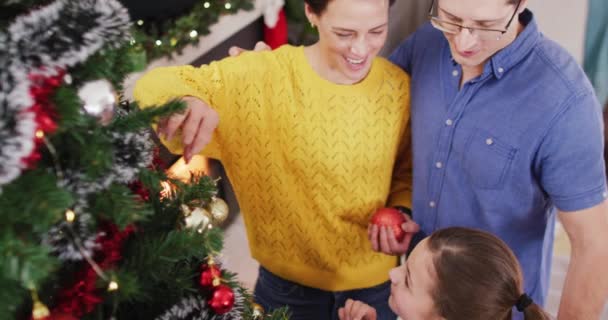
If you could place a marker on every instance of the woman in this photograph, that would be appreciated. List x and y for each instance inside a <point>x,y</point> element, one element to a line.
<point>309,137</point>
<point>456,273</point>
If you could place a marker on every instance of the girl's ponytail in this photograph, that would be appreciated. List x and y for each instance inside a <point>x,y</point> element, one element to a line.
<point>531,310</point>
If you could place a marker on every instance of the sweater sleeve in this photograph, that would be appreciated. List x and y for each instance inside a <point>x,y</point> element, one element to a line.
<point>215,84</point>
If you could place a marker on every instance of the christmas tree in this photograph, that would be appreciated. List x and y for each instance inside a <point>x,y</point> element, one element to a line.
<point>91,226</point>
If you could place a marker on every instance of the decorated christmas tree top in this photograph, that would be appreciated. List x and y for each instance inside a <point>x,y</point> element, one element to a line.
<point>86,231</point>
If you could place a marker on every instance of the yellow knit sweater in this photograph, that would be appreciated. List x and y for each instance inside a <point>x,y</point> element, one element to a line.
<point>309,160</point>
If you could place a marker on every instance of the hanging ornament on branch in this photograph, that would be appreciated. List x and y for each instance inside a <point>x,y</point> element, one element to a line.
<point>218,209</point>
<point>211,275</point>
<point>99,99</point>
<point>197,218</point>
<point>257,311</point>
<point>222,299</point>
<point>39,310</point>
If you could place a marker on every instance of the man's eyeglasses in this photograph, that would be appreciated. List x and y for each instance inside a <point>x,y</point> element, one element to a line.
<point>454,28</point>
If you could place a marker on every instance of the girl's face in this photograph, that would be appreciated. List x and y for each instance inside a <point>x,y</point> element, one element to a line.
<point>412,284</point>
<point>351,33</point>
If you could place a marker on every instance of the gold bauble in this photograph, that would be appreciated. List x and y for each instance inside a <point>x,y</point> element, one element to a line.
<point>258,311</point>
<point>40,311</point>
<point>218,209</point>
<point>197,218</point>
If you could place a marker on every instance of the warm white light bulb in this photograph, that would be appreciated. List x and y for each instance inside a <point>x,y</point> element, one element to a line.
<point>70,215</point>
<point>113,286</point>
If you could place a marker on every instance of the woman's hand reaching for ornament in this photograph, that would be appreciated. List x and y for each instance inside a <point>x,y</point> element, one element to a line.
<point>356,310</point>
<point>197,122</point>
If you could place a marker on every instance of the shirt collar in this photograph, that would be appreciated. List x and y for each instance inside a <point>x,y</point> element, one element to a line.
<point>515,52</point>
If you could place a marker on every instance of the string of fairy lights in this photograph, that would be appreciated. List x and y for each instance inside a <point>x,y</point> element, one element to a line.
<point>163,38</point>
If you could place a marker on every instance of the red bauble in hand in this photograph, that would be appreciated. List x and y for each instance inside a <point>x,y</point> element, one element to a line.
<point>222,299</point>
<point>391,218</point>
<point>209,274</point>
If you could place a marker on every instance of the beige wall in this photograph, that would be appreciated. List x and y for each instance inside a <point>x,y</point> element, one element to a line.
<point>405,17</point>
<point>563,21</point>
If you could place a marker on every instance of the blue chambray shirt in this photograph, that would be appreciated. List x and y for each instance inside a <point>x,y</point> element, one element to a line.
<point>503,151</point>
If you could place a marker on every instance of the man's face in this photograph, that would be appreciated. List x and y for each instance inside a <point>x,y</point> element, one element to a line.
<point>468,49</point>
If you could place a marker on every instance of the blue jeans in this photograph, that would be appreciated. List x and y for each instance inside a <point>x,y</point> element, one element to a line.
<point>306,303</point>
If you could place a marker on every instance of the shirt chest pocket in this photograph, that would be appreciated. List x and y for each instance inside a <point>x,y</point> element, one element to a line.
<point>487,160</point>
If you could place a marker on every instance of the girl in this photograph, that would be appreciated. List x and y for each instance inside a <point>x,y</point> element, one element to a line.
<point>455,274</point>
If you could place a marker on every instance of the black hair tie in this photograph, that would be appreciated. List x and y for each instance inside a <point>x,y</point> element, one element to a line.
<point>523,302</point>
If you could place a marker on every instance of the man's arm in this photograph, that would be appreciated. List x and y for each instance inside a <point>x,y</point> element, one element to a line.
<point>586,287</point>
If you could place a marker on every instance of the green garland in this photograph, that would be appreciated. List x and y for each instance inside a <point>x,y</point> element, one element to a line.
<point>163,39</point>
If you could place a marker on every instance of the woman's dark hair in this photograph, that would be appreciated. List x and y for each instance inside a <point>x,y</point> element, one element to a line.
<point>478,277</point>
<point>318,6</point>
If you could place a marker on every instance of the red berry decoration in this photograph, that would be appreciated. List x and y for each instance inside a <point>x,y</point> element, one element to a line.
<point>222,299</point>
<point>391,218</point>
<point>210,276</point>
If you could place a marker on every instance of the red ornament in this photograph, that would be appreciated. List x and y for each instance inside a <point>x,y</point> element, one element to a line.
<point>209,274</point>
<point>46,123</point>
<point>392,218</point>
<point>138,188</point>
<point>222,299</point>
<point>157,161</point>
<point>31,160</point>
<point>62,316</point>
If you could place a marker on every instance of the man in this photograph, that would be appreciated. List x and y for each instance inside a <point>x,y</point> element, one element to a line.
<point>506,130</point>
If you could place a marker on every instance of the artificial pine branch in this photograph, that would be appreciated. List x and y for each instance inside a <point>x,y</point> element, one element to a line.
<point>69,109</point>
<point>92,147</point>
<point>113,65</point>
<point>8,303</point>
<point>83,174</point>
<point>33,203</point>
<point>119,205</point>
<point>24,263</point>
<point>139,119</point>
<point>199,188</point>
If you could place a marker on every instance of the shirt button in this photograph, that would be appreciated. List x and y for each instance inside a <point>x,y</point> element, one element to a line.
<point>449,122</point>
<point>432,204</point>
<point>439,165</point>
<point>489,141</point>
<point>501,70</point>
<point>455,73</point>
